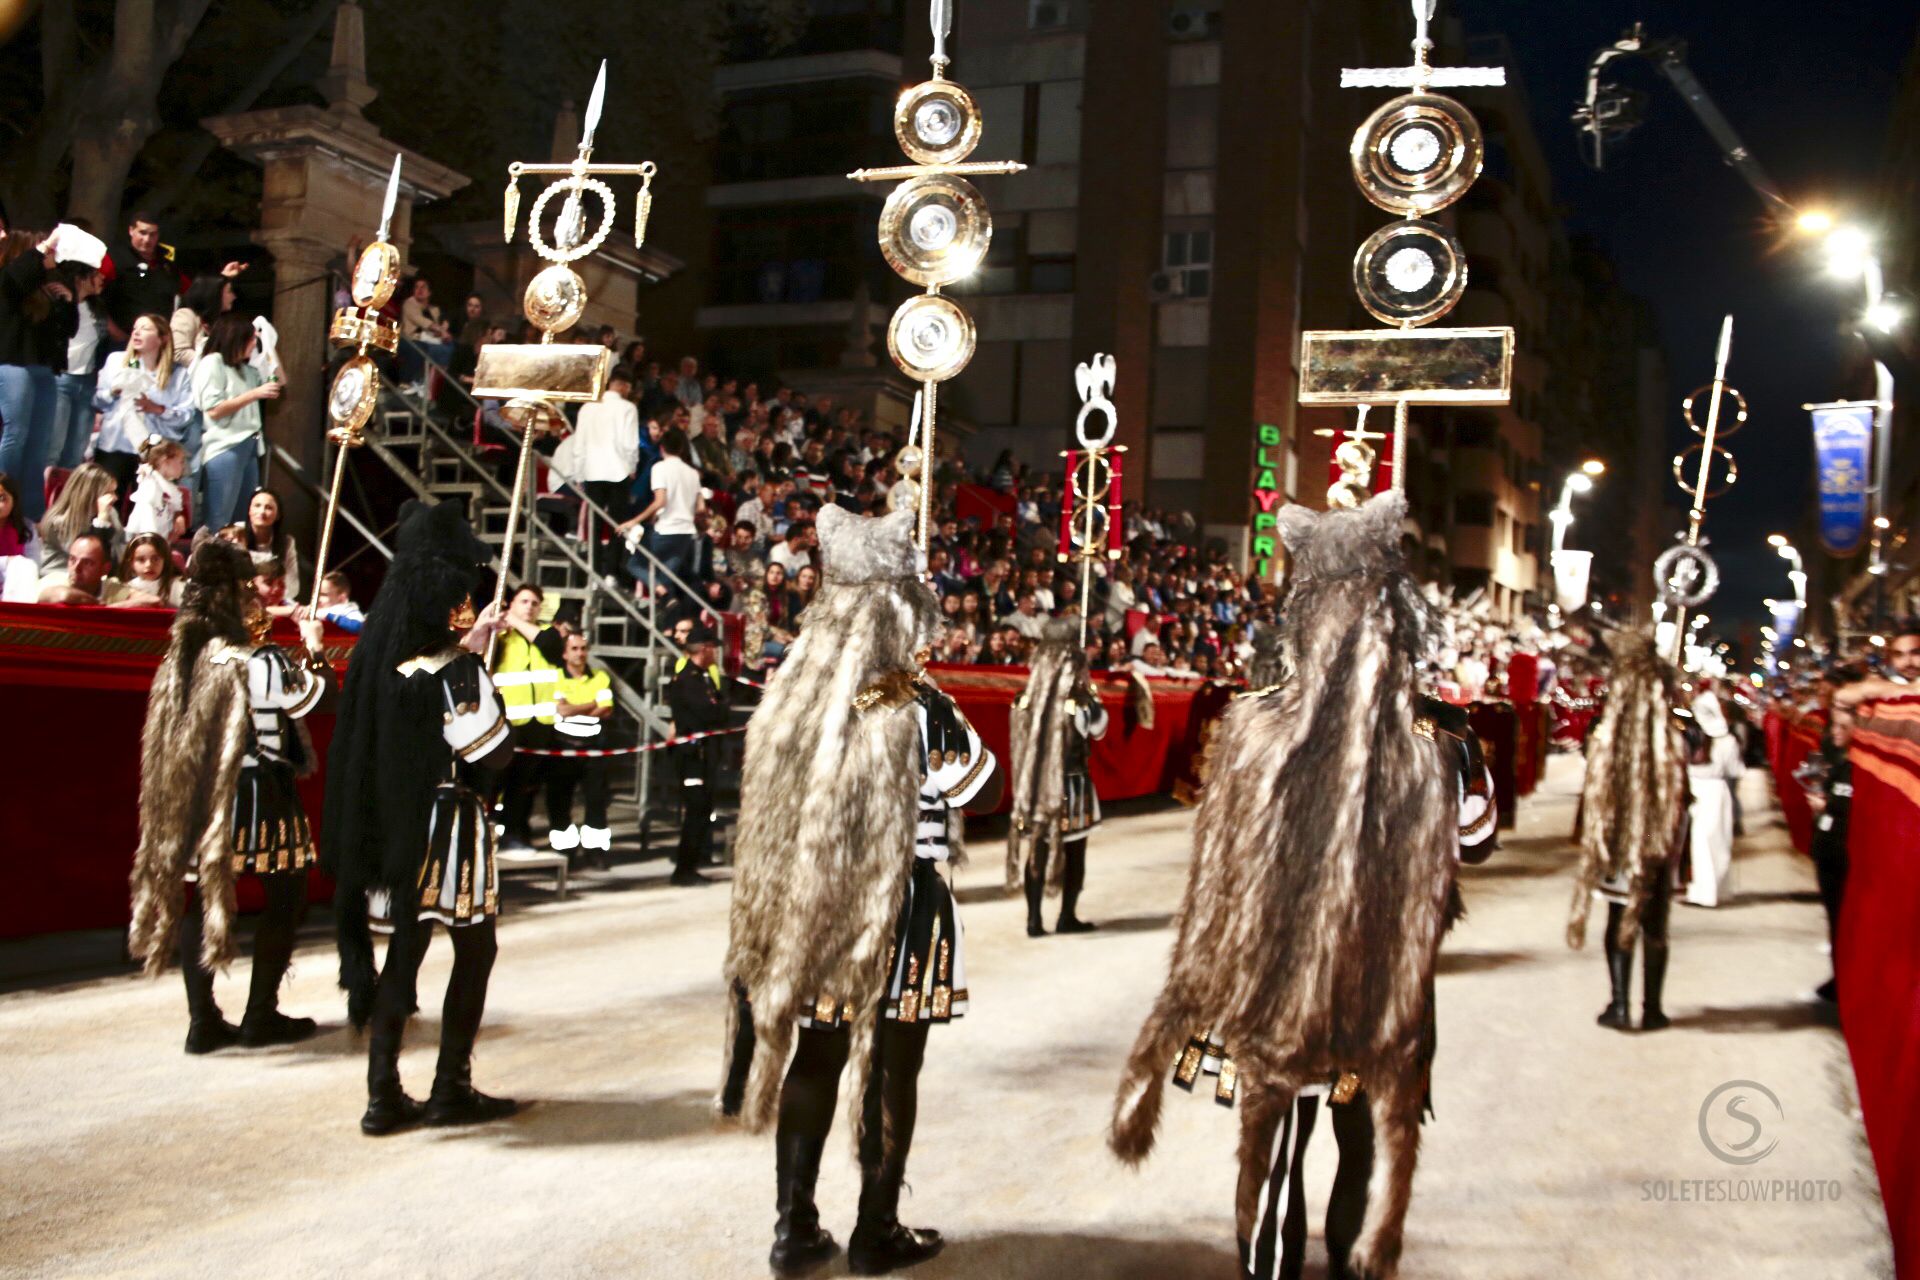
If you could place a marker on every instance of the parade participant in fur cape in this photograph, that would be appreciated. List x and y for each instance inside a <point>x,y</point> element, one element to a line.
<point>1633,809</point>
<point>223,745</point>
<point>845,945</point>
<point>1324,859</point>
<point>1054,808</point>
<point>407,836</point>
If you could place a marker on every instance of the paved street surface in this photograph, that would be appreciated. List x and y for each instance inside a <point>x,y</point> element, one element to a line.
<point>1558,1148</point>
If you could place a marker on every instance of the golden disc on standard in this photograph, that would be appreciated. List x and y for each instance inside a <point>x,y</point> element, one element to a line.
<point>555,300</point>
<point>936,122</point>
<point>1417,154</point>
<point>1410,273</point>
<point>375,275</point>
<point>930,338</point>
<point>351,399</point>
<point>935,230</point>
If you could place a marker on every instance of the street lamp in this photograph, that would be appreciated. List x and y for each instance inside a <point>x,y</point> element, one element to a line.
<point>1581,481</point>
<point>1798,573</point>
<point>1851,256</point>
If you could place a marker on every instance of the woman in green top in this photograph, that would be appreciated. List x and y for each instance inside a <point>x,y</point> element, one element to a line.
<point>228,391</point>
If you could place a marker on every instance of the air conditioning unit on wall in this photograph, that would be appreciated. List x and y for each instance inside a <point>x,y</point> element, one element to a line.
<point>1048,15</point>
<point>1193,21</point>
<point>1167,286</point>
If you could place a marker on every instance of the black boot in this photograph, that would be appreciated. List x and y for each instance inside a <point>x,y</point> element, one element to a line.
<point>207,1030</point>
<point>799,1243</point>
<point>389,1109</point>
<point>1035,884</point>
<point>1072,882</point>
<point>264,1024</point>
<point>454,1100</point>
<point>1619,1014</point>
<point>880,1244</point>
<point>1652,1016</point>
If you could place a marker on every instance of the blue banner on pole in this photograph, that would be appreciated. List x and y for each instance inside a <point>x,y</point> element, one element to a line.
<point>1842,443</point>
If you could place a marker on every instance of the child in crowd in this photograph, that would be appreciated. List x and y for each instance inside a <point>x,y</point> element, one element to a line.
<point>270,585</point>
<point>148,570</point>
<point>159,506</point>
<point>337,604</point>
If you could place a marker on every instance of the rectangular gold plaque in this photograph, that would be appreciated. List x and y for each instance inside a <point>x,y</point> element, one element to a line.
<point>570,371</point>
<point>1420,366</point>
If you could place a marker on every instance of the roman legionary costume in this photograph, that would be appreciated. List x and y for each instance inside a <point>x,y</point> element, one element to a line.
<point>223,746</point>
<point>407,835</point>
<point>1324,859</point>
<point>1633,816</point>
<point>1054,725</point>
<point>698,699</point>
<point>844,934</point>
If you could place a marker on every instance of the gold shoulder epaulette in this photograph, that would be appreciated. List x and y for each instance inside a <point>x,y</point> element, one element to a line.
<point>895,689</point>
<point>429,662</point>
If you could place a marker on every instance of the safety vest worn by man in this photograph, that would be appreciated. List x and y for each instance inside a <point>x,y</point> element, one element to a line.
<point>594,689</point>
<point>526,679</point>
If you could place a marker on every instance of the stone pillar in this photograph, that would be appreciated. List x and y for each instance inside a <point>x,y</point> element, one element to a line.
<point>302,310</point>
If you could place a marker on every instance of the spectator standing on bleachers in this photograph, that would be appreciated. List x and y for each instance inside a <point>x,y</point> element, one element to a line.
<point>141,393</point>
<point>140,277</point>
<point>37,320</point>
<point>267,538</point>
<point>228,390</point>
<point>207,299</point>
<point>697,696</point>
<point>675,510</point>
<point>74,384</point>
<point>583,704</point>
<point>603,450</point>
<point>423,326</point>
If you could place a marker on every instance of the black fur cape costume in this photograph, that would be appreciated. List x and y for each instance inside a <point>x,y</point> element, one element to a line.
<point>190,753</point>
<point>1324,858</point>
<point>1040,723</point>
<point>829,798</point>
<point>388,753</point>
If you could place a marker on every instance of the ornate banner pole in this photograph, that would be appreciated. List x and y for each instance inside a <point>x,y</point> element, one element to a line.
<point>1090,507</point>
<point>1685,574</point>
<point>534,380</point>
<point>1414,156</point>
<point>356,387</point>
<point>934,230</point>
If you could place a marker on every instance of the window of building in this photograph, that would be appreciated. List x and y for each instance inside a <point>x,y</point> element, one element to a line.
<point>794,254</point>
<point>1475,509</point>
<point>1187,257</point>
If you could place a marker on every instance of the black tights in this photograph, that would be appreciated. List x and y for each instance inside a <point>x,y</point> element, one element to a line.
<point>1277,1247</point>
<point>272,947</point>
<point>1653,941</point>
<point>1072,880</point>
<point>892,1102</point>
<point>474,948</point>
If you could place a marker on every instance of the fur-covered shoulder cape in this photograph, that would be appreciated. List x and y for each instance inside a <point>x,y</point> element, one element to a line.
<point>1325,844</point>
<point>829,800</point>
<point>190,753</point>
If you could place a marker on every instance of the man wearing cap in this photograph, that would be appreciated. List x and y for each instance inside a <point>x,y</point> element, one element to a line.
<point>697,696</point>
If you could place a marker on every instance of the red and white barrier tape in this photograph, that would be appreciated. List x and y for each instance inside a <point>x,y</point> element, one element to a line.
<point>591,753</point>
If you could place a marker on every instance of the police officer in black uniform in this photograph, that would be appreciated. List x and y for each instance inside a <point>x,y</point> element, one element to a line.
<point>697,696</point>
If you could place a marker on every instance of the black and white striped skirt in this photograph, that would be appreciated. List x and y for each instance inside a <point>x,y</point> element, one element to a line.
<point>927,965</point>
<point>459,880</point>
<point>270,829</point>
<point>1081,812</point>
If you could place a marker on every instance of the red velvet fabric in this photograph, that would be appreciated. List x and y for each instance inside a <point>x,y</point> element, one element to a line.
<point>1878,959</point>
<point>71,818</point>
<point>1790,740</point>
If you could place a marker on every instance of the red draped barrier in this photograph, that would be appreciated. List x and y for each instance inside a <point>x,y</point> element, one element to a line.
<point>1130,761</point>
<point>1877,960</point>
<point>1790,740</point>
<point>70,817</point>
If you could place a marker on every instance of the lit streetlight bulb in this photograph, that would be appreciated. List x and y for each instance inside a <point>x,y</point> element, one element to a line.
<point>1776,539</point>
<point>1594,467</point>
<point>1886,315</point>
<point>1849,250</point>
<point>1814,222</point>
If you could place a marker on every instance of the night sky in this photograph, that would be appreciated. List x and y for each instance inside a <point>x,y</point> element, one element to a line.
<point>1809,88</point>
